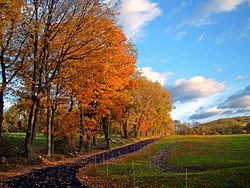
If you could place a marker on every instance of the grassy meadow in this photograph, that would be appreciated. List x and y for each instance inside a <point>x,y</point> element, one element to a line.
<point>211,161</point>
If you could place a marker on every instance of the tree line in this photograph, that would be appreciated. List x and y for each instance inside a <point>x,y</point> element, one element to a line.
<point>234,125</point>
<point>71,72</point>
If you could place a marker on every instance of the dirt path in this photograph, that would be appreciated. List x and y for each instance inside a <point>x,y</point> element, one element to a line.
<point>65,175</point>
<point>159,159</point>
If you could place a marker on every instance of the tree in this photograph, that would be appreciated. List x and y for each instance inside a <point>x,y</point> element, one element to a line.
<point>58,29</point>
<point>103,75</point>
<point>14,33</point>
<point>151,106</point>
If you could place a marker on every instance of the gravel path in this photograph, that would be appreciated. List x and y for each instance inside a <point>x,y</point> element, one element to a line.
<point>159,160</point>
<point>65,175</point>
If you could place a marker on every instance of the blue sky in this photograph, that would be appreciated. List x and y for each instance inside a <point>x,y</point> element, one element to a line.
<point>199,50</point>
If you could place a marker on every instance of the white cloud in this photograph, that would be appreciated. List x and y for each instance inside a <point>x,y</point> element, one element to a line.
<point>211,7</point>
<point>200,38</point>
<point>135,14</point>
<point>155,76</point>
<point>180,35</point>
<point>241,77</point>
<point>217,6</point>
<point>195,88</point>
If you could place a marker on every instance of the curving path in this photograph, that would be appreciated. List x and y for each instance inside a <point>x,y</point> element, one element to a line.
<point>65,175</point>
<point>159,159</point>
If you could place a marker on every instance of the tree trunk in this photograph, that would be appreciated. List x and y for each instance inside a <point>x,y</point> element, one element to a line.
<point>53,111</point>
<point>105,127</point>
<point>125,129</point>
<point>32,128</point>
<point>81,130</point>
<point>1,112</point>
<point>88,142</point>
<point>28,147</point>
<point>107,138</point>
<point>33,108</point>
<point>33,136</point>
<point>48,122</point>
<point>94,140</point>
<point>135,131</point>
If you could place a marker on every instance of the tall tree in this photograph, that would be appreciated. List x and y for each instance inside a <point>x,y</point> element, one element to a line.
<point>57,31</point>
<point>14,31</point>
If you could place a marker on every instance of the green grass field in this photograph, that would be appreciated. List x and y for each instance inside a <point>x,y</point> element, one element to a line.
<point>13,143</point>
<point>211,161</point>
<point>12,147</point>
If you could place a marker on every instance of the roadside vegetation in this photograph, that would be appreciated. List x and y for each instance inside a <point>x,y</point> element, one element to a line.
<point>210,161</point>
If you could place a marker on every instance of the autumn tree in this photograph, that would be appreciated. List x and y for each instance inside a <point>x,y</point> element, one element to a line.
<point>14,31</point>
<point>56,36</point>
<point>102,76</point>
<point>151,106</point>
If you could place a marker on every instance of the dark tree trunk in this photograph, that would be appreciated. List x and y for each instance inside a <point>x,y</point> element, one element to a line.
<point>135,131</point>
<point>81,130</point>
<point>105,126</point>
<point>94,140</point>
<point>1,112</point>
<point>135,134</point>
<point>35,127</point>
<point>53,111</point>
<point>88,142</point>
<point>33,108</point>
<point>28,148</point>
<point>125,129</point>
<point>48,122</point>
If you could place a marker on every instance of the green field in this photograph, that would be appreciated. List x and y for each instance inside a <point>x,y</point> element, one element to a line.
<point>211,161</point>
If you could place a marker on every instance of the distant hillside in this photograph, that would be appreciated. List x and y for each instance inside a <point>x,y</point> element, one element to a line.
<point>234,125</point>
<point>241,120</point>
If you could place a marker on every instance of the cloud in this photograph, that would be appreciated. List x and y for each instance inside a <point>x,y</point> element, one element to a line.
<point>180,35</point>
<point>217,6</point>
<point>185,110</point>
<point>200,38</point>
<point>155,76</point>
<point>178,9</point>
<point>203,114</point>
<point>241,77</point>
<point>135,14</point>
<point>239,102</point>
<point>211,7</point>
<point>195,88</point>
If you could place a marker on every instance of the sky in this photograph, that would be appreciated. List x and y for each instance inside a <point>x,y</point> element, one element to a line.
<point>198,50</point>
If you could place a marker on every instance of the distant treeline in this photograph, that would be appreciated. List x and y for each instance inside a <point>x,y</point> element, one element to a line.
<point>234,125</point>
